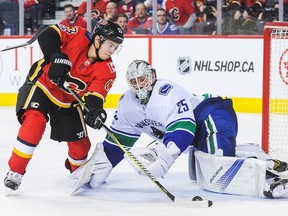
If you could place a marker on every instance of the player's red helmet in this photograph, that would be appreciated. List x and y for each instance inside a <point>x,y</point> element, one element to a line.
<point>106,29</point>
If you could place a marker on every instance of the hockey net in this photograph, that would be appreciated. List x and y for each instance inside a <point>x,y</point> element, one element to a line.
<point>275,90</point>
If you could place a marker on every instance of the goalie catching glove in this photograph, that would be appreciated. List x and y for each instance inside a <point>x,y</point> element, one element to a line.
<point>155,158</point>
<point>60,67</point>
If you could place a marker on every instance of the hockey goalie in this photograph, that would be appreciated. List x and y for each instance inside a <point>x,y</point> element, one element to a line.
<point>205,126</point>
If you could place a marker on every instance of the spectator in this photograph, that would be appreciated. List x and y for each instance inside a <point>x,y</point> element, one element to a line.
<point>141,22</point>
<point>163,26</point>
<point>98,8</point>
<point>2,26</point>
<point>207,18</point>
<point>49,8</point>
<point>149,4</point>
<point>72,19</point>
<point>33,12</point>
<point>111,12</point>
<point>182,12</point>
<point>122,21</point>
<point>269,13</point>
<point>127,7</point>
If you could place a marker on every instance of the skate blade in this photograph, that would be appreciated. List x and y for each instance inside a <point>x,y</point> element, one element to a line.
<point>7,191</point>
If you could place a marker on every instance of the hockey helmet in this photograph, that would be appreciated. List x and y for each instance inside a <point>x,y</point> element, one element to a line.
<point>141,77</point>
<point>106,29</point>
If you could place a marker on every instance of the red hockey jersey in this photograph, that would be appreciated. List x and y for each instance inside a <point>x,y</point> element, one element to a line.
<point>84,76</point>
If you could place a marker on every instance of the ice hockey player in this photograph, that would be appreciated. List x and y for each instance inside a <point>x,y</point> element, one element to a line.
<point>81,58</point>
<point>182,121</point>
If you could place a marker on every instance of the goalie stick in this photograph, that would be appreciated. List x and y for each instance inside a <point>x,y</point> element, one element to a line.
<point>196,202</point>
<point>34,38</point>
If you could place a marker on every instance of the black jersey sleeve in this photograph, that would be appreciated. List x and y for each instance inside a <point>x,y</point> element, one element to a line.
<point>50,42</point>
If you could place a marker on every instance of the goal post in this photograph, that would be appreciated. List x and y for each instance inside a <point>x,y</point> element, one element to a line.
<point>275,90</point>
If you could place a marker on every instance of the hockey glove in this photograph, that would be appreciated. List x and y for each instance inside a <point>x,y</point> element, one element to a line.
<point>155,158</point>
<point>95,117</point>
<point>60,66</point>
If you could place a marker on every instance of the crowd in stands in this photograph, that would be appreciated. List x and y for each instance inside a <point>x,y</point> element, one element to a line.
<point>174,17</point>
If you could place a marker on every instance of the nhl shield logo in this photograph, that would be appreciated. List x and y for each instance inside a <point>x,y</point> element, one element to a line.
<point>184,65</point>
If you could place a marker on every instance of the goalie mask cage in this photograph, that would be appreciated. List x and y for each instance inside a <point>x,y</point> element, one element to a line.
<point>275,90</point>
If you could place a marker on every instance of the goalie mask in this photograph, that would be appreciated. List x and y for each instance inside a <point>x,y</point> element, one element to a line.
<point>141,77</point>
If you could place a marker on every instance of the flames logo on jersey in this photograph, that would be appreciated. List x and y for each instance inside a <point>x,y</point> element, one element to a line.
<point>109,84</point>
<point>283,67</point>
<point>174,13</point>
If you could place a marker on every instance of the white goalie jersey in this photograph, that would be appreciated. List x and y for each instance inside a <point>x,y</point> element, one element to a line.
<point>167,105</point>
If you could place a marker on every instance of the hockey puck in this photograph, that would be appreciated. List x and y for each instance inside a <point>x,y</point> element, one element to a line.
<point>197,198</point>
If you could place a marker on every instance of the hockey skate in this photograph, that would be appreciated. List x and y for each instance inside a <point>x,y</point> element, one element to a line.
<point>12,181</point>
<point>278,188</point>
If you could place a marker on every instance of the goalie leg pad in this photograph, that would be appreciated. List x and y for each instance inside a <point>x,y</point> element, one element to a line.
<point>230,175</point>
<point>101,170</point>
<point>191,164</point>
<point>95,171</point>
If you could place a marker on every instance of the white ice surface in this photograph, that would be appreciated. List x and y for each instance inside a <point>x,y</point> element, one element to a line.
<point>45,189</point>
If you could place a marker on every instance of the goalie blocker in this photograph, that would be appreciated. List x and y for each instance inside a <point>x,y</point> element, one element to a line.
<point>244,175</point>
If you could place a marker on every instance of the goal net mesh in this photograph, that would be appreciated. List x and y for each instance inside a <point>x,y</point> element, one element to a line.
<point>275,92</point>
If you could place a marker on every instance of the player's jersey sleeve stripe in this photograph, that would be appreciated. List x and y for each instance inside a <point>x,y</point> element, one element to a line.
<point>38,71</point>
<point>181,133</point>
<point>124,139</point>
<point>28,99</point>
<point>96,94</point>
<point>183,124</point>
<point>125,133</point>
<point>57,30</point>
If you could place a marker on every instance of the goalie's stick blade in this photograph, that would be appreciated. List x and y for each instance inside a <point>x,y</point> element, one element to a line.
<point>193,204</point>
<point>34,38</point>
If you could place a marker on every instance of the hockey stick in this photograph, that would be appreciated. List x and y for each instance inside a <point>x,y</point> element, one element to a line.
<point>196,202</point>
<point>34,38</point>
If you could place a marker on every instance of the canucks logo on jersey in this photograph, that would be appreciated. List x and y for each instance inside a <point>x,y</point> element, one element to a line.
<point>164,90</point>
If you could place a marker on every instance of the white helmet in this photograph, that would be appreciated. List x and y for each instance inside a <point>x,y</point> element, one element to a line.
<point>140,79</point>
